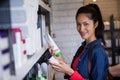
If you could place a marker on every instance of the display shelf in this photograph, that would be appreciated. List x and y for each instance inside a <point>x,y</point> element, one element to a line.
<point>5,27</point>
<point>24,7</point>
<point>5,17</point>
<point>112,29</point>
<point>117,48</point>
<point>21,72</point>
<point>106,30</point>
<point>116,30</point>
<point>108,48</point>
<point>43,5</point>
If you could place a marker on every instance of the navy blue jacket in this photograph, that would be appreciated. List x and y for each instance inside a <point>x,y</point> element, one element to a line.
<point>98,60</point>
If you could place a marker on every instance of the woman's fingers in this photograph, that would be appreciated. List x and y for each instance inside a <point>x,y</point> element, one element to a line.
<point>50,49</point>
<point>57,67</point>
<point>61,62</point>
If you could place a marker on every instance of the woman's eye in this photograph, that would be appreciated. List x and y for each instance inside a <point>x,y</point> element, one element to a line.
<point>85,24</point>
<point>78,24</point>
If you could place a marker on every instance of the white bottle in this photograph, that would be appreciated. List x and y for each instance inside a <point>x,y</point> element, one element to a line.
<point>52,59</point>
<point>17,47</point>
<point>52,43</point>
<point>44,68</point>
<point>40,77</point>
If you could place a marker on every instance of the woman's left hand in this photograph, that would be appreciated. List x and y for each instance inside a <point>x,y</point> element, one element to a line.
<point>62,67</point>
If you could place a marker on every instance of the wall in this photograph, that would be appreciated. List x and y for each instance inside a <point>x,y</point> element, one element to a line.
<point>107,7</point>
<point>64,28</point>
<point>118,8</point>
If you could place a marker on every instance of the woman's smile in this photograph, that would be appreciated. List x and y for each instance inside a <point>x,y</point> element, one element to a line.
<point>83,34</point>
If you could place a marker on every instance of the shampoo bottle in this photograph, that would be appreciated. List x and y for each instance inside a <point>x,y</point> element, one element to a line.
<point>52,59</point>
<point>53,44</point>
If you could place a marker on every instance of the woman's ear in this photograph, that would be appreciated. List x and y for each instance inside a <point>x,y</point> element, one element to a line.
<point>96,24</point>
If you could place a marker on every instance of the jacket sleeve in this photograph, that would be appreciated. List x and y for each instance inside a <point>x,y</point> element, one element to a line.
<point>76,76</point>
<point>99,64</point>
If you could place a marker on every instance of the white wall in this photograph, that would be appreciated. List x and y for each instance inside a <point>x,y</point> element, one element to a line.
<point>64,25</point>
<point>118,8</point>
<point>107,7</point>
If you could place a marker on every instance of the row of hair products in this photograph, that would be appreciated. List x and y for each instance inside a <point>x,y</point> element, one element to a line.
<point>38,72</point>
<point>4,54</point>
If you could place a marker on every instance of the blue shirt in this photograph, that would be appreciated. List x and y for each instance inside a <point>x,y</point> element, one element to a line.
<point>98,61</point>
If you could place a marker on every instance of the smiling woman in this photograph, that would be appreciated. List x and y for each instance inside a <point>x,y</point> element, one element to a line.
<point>90,61</point>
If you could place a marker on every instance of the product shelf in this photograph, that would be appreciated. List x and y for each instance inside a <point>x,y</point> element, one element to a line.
<point>24,6</point>
<point>22,71</point>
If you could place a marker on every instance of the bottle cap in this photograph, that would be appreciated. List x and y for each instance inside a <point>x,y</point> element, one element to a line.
<point>58,54</point>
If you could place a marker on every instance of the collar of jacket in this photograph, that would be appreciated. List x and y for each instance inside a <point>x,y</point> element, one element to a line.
<point>98,41</point>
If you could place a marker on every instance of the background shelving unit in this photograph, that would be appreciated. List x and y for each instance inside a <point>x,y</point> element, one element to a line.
<point>115,40</point>
<point>8,23</point>
<point>112,38</point>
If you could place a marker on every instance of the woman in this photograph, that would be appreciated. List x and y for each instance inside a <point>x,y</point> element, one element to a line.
<point>90,61</point>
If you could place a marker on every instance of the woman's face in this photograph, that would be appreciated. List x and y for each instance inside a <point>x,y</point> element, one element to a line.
<point>86,27</point>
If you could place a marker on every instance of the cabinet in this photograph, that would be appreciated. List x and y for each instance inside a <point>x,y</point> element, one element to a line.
<point>23,24</point>
<point>112,38</point>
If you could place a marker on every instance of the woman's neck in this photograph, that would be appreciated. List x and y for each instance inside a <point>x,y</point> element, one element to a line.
<point>90,40</point>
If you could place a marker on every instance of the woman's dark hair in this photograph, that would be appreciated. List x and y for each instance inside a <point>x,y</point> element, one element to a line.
<point>95,15</point>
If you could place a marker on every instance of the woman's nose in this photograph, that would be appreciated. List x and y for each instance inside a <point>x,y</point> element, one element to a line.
<point>81,28</point>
